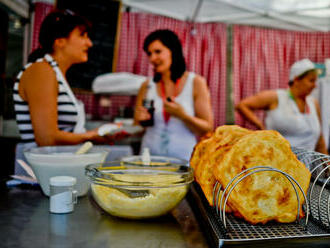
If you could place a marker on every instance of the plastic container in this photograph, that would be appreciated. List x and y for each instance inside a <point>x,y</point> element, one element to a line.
<point>50,161</point>
<point>63,196</point>
<point>138,191</point>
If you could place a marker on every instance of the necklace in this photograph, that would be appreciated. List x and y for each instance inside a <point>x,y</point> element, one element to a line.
<point>306,108</point>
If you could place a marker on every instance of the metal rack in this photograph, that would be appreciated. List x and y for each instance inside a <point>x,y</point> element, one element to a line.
<point>221,205</point>
<point>226,230</point>
<point>318,192</point>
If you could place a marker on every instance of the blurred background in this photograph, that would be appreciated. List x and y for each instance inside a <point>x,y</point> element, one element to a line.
<point>240,46</point>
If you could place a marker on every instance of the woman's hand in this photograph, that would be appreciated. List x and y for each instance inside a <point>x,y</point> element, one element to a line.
<point>97,139</point>
<point>108,138</point>
<point>141,114</point>
<point>174,108</point>
<point>202,121</point>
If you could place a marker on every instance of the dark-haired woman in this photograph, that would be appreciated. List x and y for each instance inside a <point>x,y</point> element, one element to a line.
<point>47,112</point>
<point>181,99</point>
<point>292,112</point>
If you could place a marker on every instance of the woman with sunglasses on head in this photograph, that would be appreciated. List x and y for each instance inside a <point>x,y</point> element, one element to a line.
<point>292,112</point>
<point>47,112</point>
<point>182,107</point>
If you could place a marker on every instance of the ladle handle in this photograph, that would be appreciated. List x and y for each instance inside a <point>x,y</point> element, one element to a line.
<point>85,147</point>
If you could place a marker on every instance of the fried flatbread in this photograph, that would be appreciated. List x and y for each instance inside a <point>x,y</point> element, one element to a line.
<point>263,196</point>
<point>214,147</point>
<point>199,150</point>
<point>197,162</point>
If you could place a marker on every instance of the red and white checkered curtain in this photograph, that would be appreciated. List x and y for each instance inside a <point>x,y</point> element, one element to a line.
<point>262,59</point>
<point>204,47</point>
<point>41,9</point>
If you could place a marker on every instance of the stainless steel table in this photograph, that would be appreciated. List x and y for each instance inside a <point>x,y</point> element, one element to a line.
<point>25,221</point>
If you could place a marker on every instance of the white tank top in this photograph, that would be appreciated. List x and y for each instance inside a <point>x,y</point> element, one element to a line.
<point>173,139</point>
<point>300,129</point>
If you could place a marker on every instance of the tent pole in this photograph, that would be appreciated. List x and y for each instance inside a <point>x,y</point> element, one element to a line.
<point>230,117</point>
<point>197,9</point>
<point>152,9</point>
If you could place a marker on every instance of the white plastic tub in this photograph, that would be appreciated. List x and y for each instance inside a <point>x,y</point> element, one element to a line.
<point>50,161</point>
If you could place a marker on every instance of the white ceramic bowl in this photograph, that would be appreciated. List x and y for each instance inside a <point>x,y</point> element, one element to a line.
<point>50,161</point>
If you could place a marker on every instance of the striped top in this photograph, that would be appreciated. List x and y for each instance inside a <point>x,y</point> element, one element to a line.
<point>66,106</point>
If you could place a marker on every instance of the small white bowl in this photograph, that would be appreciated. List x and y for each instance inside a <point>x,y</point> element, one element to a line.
<point>50,161</point>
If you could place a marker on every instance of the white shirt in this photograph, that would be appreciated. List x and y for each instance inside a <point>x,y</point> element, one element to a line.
<point>173,139</point>
<point>300,129</point>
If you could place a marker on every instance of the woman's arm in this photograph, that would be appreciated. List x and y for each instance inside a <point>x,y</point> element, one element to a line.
<point>39,87</point>
<point>320,145</point>
<point>140,112</point>
<point>265,100</point>
<point>202,122</point>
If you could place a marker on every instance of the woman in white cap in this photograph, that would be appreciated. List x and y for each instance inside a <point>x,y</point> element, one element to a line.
<point>292,112</point>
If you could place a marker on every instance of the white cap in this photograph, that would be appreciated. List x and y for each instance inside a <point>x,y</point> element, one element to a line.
<point>300,67</point>
<point>62,181</point>
<point>146,156</point>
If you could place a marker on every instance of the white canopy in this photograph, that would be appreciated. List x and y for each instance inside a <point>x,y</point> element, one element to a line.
<point>20,7</point>
<point>302,15</point>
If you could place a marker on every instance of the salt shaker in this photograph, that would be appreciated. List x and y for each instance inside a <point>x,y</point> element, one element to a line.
<point>62,194</point>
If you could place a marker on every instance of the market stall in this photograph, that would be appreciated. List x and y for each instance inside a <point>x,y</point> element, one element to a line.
<point>240,48</point>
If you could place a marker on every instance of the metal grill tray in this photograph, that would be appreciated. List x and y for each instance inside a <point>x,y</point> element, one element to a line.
<point>242,234</point>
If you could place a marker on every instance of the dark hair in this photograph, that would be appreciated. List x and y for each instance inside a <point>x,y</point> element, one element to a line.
<point>302,76</point>
<point>172,42</point>
<point>57,24</point>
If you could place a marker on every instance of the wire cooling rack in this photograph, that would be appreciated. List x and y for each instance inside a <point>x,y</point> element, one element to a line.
<point>314,230</point>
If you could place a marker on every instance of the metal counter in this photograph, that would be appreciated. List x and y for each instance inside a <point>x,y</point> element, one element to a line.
<point>25,221</point>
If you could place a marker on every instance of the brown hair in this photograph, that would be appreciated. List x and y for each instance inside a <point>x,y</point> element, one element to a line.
<point>57,24</point>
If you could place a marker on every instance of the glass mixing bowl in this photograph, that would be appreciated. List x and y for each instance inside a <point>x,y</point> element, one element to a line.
<point>138,191</point>
<point>154,160</point>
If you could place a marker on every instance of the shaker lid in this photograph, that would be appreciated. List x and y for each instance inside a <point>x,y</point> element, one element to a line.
<point>62,181</point>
